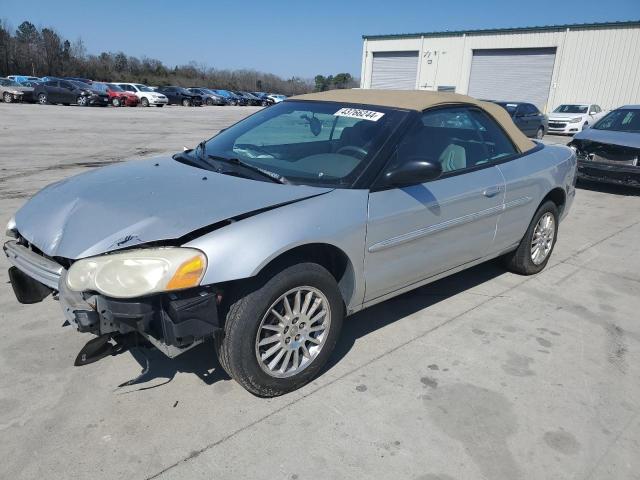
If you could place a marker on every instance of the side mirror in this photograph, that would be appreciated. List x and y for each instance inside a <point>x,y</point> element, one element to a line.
<point>413,172</point>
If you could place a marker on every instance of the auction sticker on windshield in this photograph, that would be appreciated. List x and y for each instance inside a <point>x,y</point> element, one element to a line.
<point>357,113</point>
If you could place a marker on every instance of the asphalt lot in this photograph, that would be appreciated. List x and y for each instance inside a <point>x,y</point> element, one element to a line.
<point>484,375</point>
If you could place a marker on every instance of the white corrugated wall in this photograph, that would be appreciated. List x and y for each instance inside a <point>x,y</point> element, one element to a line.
<point>599,65</point>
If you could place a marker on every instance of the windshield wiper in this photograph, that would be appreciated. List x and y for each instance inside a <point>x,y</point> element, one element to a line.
<point>274,177</point>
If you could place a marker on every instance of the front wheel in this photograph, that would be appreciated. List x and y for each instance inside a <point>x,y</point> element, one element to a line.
<point>144,102</point>
<point>186,102</point>
<point>82,101</point>
<point>540,133</point>
<point>7,97</point>
<point>115,102</point>
<point>535,248</point>
<point>280,331</point>
<point>42,99</point>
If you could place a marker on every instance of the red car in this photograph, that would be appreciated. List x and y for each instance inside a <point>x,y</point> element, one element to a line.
<point>117,96</point>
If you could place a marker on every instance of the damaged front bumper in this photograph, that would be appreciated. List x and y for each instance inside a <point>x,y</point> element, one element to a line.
<point>173,322</point>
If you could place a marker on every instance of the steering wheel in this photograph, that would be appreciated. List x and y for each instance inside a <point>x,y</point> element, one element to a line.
<point>353,148</point>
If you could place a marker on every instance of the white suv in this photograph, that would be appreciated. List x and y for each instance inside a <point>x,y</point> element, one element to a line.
<point>572,118</point>
<point>146,95</point>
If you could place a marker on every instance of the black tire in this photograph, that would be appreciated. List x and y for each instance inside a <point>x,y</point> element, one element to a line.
<point>42,99</point>
<point>520,260</point>
<point>7,97</point>
<point>236,345</point>
<point>540,133</point>
<point>144,102</point>
<point>186,102</point>
<point>82,101</point>
<point>209,102</point>
<point>115,101</point>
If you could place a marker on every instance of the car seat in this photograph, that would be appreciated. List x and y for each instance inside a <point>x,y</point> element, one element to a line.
<point>454,157</point>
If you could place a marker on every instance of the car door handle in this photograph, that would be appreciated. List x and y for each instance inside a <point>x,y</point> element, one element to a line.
<point>492,191</point>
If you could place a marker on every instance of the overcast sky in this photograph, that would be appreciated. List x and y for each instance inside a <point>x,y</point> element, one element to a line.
<point>285,37</point>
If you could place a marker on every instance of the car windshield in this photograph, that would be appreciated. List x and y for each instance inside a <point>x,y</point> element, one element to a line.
<point>311,143</point>
<point>509,107</point>
<point>143,88</point>
<point>572,109</point>
<point>114,87</point>
<point>621,120</point>
<point>5,82</point>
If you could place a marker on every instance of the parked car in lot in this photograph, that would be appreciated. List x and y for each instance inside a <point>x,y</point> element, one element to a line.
<point>67,92</point>
<point>21,79</point>
<point>568,119</point>
<point>264,98</point>
<point>209,97</point>
<point>231,98</point>
<point>12,91</point>
<point>146,95</point>
<point>277,98</point>
<point>118,97</point>
<point>250,98</point>
<point>377,193</point>
<point>527,117</point>
<point>181,96</point>
<point>609,151</point>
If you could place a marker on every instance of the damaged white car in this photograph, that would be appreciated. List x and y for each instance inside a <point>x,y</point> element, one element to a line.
<point>265,236</point>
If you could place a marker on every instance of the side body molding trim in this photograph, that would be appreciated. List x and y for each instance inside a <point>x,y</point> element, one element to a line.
<point>439,227</point>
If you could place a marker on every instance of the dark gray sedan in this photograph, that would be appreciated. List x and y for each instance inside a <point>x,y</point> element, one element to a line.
<point>527,118</point>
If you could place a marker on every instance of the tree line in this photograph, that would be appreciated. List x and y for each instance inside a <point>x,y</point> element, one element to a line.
<point>43,52</point>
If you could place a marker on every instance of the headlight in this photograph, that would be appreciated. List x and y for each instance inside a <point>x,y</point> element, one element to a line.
<point>11,228</point>
<point>575,120</point>
<point>141,272</point>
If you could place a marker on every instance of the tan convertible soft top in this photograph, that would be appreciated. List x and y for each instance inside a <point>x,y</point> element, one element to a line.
<point>420,100</point>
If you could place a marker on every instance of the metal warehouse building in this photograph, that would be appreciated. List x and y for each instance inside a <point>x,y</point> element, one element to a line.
<point>591,63</point>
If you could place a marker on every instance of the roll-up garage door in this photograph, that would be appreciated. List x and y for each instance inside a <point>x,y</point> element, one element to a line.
<point>517,75</point>
<point>394,70</point>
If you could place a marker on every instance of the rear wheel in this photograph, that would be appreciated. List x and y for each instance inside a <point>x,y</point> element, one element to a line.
<point>82,101</point>
<point>280,331</point>
<point>209,102</point>
<point>7,97</point>
<point>144,102</point>
<point>186,102</point>
<point>42,98</point>
<point>535,248</point>
<point>115,101</point>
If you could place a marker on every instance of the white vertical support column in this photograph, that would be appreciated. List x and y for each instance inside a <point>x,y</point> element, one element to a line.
<point>363,70</point>
<point>420,54</point>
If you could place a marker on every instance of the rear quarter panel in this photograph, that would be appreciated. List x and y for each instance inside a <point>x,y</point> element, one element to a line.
<point>528,180</point>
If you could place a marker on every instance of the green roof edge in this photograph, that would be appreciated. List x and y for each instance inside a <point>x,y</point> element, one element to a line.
<point>543,28</point>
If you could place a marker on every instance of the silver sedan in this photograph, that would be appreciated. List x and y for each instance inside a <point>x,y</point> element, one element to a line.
<point>267,235</point>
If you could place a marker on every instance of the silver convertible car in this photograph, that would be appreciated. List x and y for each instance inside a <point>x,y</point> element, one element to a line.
<point>267,235</point>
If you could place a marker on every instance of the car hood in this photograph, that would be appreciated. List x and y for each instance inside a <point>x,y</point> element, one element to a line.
<point>141,201</point>
<point>624,139</point>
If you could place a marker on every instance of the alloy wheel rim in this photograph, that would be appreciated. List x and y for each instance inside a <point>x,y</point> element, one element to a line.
<point>293,332</point>
<point>42,99</point>
<point>543,236</point>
